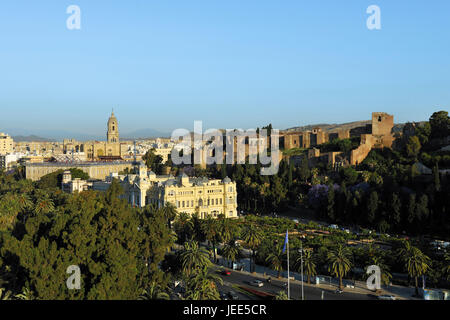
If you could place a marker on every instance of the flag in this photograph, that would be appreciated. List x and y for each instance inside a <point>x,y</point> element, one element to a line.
<point>286,241</point>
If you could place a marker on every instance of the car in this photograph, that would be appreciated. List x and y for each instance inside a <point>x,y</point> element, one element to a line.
<point>223,296</point>
<point>226,273</point>
<point>333,226</point>
<point>295,220</point>
<point>386,297</point>
<point>256,283</point>
<point>350,285</point>
<point>338,291</point>
<point>233,295</point>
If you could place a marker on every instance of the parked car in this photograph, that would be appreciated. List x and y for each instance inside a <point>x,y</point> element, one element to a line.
<point>233,295</point>
<point>333,226</point>
<point>386,297</point>
<point>256,283</point>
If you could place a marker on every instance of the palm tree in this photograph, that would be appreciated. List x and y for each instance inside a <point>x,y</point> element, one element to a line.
<point>203,286</point>
<point>252,237</point>
<point>416,262</point>
<point>446,269</point>
<point>154,292</point>
<point>210,229</point>
<point>275,258</point>
<point>44,205</point>
<point>231,251</point>
<point>339,259</point>
<point>4,295</point>
<point>309,265</point>
<point>281,296</point>
<point>194,258</point>
<point>183,226</point>
<point>26,294</point>
<point>226,228</point>
<point>170,212</point>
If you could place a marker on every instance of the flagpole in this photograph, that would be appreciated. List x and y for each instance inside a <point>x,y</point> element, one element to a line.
<point>289,292</point>
<point>301,257</point>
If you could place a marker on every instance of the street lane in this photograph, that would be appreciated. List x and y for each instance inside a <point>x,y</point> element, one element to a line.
<point>311,293</point>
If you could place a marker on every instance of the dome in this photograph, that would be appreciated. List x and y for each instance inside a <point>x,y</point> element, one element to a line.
<point>227,180</point>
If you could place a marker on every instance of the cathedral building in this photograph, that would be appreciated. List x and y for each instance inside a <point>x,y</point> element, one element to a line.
<point>100,150</point>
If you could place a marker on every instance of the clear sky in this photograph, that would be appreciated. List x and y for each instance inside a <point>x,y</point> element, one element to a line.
<point>236,63</point>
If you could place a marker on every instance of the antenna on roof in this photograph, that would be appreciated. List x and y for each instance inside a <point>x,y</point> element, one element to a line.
<point>135,152</point>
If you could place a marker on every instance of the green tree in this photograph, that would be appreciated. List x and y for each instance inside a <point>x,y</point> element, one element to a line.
<point>210,228</point>
<point>96,231</point>
<point>340,263</point>
<point>309,265</point>
<point>252,237</point>
<point>372,206</point>
<point>275,258</point>
<point>202,285</point>
<point>194,258</point>
<point>413,147</point>
<point>153,161</point>
<point>440,124</point>
<point>281,296</point>
<point>416,263</point>
<point>231,251</point>
<point>154,292</point>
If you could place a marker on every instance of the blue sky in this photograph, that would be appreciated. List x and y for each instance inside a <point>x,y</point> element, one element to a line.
<point>163,64</point>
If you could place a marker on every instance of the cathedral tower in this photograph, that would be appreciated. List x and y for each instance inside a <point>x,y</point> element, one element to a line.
<point>113,129</point>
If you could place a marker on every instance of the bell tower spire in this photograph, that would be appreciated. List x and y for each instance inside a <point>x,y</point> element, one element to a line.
<point>112,134</point>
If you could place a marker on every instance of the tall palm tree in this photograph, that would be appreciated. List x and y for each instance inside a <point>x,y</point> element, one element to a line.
<point>252,237</point>
<point>416,262</point>
<point>203,286</point>
<point>339,258</point>
<point>275,258</point>
<point>170,212</point>
<point>154,292</point>
<point>183,226</point>
<point>231,251</point>
<point>227,228</point>
<point>309,265</point>
<point>194,258</point>
<point>210,228</point>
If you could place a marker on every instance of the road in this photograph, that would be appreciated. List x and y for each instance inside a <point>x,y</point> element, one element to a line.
<point>310,293</point>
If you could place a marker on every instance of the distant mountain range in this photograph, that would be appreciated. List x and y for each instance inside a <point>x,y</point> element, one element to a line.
<point>21,135</point>
<point>31,138</point>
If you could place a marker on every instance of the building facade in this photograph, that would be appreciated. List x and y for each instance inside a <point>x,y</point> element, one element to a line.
<point>207,197</point>
<point>95,170</point>
<point>6,144</point>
